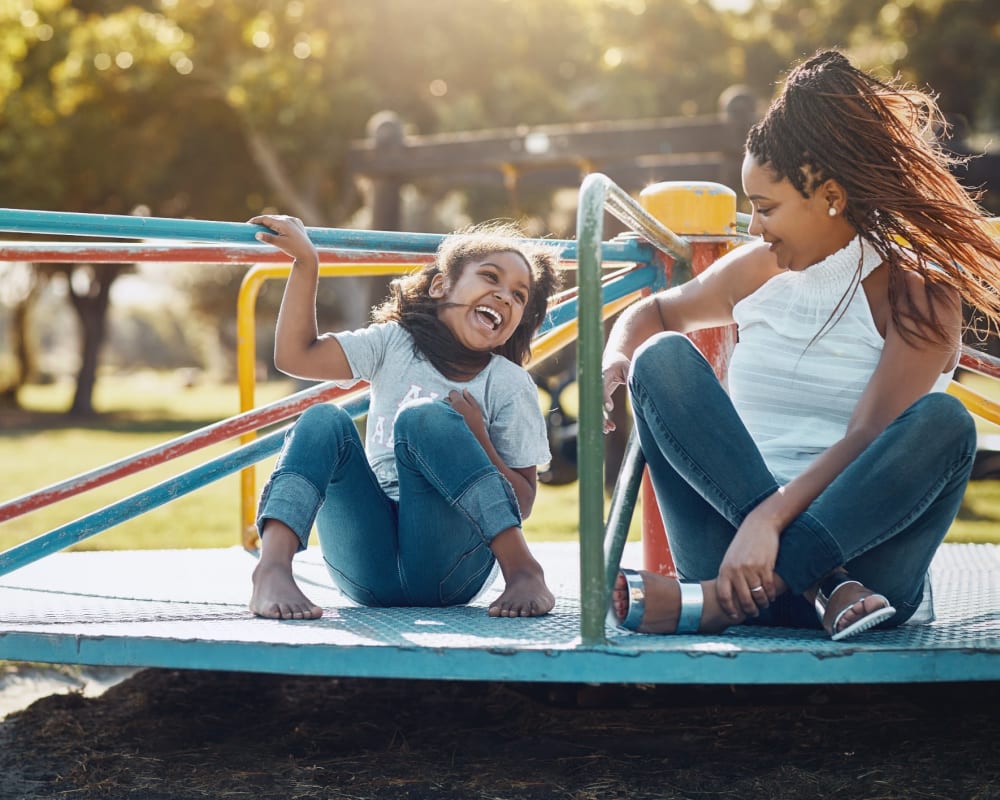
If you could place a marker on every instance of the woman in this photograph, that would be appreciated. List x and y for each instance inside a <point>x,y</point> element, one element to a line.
<point>816,491</point>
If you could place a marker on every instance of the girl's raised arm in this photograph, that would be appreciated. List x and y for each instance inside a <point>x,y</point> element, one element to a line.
<point>299,350</point>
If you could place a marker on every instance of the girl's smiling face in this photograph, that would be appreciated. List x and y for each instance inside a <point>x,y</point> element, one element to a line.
<point>486,303</point>
<point>801,230</point>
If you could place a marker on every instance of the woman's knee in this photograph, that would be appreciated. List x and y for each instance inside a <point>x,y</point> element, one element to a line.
<point>661,355</point>
<point>944,418</point>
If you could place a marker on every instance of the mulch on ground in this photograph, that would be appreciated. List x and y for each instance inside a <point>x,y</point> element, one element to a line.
<point>180,735</point>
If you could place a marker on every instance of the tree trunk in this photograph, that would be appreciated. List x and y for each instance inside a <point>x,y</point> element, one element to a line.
<point>354,294</point>
<point>91,304</point>
<point>22,349</point>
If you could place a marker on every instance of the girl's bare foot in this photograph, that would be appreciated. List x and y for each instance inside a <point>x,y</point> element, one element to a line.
<point>663,605</point>
<point>526,595</point>
<point>277,596</point>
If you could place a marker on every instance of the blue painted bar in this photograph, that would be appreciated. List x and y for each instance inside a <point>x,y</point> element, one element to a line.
<point>648,277</point>
<point>160,494</point>
<point>686,665</point>
<point>62,223</point>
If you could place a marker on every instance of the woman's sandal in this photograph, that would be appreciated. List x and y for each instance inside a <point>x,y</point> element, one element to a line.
<point>849,593</point>
<point>692,601</point>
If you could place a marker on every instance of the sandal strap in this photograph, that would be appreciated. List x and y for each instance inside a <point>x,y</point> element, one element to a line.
<point>636,599</point>
<point>692,603</point>
<point>830,616</point>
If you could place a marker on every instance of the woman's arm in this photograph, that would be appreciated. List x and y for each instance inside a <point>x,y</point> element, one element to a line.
<point>706,301</point>
<point>299,350</point>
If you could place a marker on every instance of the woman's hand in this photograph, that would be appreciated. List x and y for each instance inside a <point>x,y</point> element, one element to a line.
<point>613,374</point>
<point>287,234</point>
<point>746,581</point>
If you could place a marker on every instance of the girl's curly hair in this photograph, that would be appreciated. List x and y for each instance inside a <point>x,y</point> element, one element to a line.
<point>875,138</point>
<point>410,303</point>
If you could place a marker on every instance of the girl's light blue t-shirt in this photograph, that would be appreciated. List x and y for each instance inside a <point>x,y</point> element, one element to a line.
<point>383,354</point>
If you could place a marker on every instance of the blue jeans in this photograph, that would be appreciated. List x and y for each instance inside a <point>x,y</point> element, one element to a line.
<point>882,518</point>
<point>429,548</point>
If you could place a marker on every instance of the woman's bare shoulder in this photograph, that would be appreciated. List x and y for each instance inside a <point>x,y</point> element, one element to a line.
<point>744,269</point>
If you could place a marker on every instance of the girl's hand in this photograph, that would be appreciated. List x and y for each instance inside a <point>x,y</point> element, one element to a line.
<point>287,234</point>
<point>746,580</point>
<point>465,404</point>
<point>522,479</point>
<point>614,374</point>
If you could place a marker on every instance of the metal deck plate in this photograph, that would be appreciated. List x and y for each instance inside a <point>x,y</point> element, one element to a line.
<point>187,609</point>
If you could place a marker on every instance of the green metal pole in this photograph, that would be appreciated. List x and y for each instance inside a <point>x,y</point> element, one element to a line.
<point>623,502</point>
<point>590,437</point>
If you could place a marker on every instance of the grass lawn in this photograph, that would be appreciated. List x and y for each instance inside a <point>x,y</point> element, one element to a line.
<point>148,409</point>
<point>143,411</point>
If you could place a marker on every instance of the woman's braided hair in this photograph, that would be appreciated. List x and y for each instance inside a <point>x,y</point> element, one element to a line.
<point>410,303</point>
<point>875,138</point>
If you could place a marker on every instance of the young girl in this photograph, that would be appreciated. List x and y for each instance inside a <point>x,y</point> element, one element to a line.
<point>817,490</point>
<point>422,513</point>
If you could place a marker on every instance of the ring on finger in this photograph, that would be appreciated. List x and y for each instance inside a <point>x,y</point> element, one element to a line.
<point>757,589</point>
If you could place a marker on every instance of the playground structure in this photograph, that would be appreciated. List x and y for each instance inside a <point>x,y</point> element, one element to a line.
<point>67,607</point>
<point>632,154</point>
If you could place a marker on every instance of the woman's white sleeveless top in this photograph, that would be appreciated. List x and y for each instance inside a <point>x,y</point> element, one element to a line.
<point>807,347</point>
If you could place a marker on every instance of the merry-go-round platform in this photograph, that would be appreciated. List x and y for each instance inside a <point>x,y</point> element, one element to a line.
<point>188,609</point>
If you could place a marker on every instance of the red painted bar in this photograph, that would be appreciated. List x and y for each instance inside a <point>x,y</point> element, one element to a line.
<point>203,437</point>
<point>127,253</point>
<point>716,344</point>
<point>980,362</point>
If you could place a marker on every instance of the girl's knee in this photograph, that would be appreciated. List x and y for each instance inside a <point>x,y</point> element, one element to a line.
<point>323,416</point>
<point>322,425</point>
<point>421,416</point>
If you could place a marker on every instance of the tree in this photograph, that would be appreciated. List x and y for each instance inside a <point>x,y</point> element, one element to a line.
<point>92,124</point>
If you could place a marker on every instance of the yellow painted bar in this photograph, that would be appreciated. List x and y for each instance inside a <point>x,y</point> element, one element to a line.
<point>978,404</point>
<point>246,357</point>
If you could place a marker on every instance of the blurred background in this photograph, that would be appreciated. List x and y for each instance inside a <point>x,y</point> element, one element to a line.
<point>220,109</point>
<point>414,115</point>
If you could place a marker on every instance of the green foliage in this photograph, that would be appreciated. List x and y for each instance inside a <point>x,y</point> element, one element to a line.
<point>219,109</point>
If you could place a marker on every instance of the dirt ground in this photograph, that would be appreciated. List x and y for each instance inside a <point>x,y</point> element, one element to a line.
<point>180,735</point>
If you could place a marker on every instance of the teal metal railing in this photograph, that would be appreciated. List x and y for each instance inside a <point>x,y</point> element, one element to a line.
<point>598,195</point>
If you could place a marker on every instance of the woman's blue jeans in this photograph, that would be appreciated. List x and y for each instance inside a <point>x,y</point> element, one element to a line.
<point>429,548</point>
<point>882,518</point>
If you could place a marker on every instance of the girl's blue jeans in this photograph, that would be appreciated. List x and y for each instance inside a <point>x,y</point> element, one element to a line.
<point>882,518</point>
<point>429,548</point>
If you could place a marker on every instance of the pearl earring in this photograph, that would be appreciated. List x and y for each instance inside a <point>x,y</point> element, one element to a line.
<point>832,211</point>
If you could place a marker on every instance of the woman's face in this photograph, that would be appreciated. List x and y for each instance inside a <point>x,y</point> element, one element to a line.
<point>800,230</point>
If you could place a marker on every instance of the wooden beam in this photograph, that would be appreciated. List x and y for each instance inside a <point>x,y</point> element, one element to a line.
<point>576,147</point>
